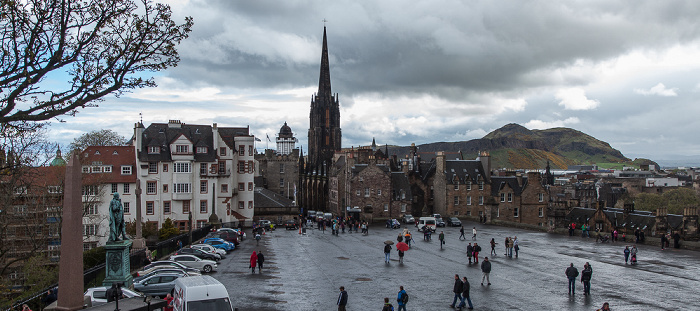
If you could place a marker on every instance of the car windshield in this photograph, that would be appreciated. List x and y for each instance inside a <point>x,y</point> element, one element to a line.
<point>219,304</point>
<point>430,222</point>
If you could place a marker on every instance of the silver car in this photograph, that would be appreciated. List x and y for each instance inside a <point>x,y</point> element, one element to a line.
<point>210,249</point>
<point>157,285</point>
<point>98,295</point>
<point>193,261</point>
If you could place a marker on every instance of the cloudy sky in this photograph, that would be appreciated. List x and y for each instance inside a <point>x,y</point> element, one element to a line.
<point>625,72</point>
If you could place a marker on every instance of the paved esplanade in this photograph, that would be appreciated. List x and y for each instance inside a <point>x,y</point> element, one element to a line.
<point>305,272</point>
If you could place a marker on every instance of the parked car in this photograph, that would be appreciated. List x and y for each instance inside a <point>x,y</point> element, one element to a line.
<point>220,244</point>
<point>266,224</point>
<point>166,270</point>
<point>230,236</point>
<point>164,264</point>
<point>199,253</point>
<point>211,249</point>
<point>157,285</point>
<point>192,261</point>
<point>408,219</point>
<point>291,224</point>
<point>438,220</point>
<point>239,232</point>
<point>393,224</point>
<point>98,294</point>
<point>454,222</point>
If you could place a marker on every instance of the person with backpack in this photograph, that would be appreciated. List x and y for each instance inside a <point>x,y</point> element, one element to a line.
<point>465,294</point>
<point>477,249</point>
<point>387,305</point>
<point>571,273</point>
<point>402,299</point>
<point>470,252</point>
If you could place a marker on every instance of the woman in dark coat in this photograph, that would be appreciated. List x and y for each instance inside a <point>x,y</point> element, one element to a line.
<point>261,260</point>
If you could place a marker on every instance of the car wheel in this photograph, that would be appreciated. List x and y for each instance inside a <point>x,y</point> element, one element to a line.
<point>207,269</point>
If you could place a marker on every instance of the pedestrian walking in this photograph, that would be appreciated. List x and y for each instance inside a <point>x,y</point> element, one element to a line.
<point>387,305</point>
<point>633,255</point>
<point>261,260</point>
<point>477,249</point>
<point>474,233</point>
<point>342,299</point>
<point>571,273</point>
<point>586,275</point>
<point>461,233</point>
<point>486,270</point>
<point>493,247</point>
<point>179,245</point>
<point>627,253</point>
<point>402,299</point>
<point>253,261</point>
<point>605,307</point>
<point>441,237</point>
<point>409,238</point>
<point>465,294</point>
<point>400,256</point>
<point>387,253</point>
<point>515,246</point>
<point>457,290</point>
<point>470,252</point>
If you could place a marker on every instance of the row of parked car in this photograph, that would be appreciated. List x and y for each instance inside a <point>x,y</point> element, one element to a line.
<point>158,278</point>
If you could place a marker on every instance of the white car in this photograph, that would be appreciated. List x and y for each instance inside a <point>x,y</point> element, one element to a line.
<point>193,261</point>
<point>98,294</point>
<point>211,249</point>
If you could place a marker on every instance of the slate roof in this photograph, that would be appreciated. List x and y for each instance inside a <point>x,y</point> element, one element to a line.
<point>357,168</point>
<point>498,183</point>
<point>266,198</point>
<point>675,221</point>
<point>464,170</point>
<point>580,214</point>
<point>162,135</point>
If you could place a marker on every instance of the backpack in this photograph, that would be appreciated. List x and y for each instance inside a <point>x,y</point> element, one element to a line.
<point>404,298</point>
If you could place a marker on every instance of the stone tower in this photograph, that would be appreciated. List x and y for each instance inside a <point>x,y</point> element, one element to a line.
<point>285,140</point>
<point>324,117</point>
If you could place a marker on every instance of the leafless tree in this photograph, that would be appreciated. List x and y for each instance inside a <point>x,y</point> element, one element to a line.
<point>99,47</point>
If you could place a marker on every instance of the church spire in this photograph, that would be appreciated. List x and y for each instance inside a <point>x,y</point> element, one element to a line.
<point>324,80</point>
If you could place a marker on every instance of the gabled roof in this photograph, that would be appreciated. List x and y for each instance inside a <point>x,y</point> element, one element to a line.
<point>161,134</point>
<point>580,214</point>
<point>675,221</point>
<point>464,170</point>
<point>498,183</point>
<point>358,168</point>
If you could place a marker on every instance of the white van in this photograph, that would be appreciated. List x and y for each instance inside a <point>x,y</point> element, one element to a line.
<point>199,293</point>
<point>427,221</point>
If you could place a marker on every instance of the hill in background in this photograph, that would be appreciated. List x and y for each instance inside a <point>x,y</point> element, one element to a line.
<point>514,146</point>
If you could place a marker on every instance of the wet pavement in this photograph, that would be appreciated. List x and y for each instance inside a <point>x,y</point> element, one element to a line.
<point>304,272</point>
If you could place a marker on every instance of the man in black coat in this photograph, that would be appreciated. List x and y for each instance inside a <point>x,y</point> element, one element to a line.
<point>486,269</point>
<point>465,294</point>
<point>457,290</point>
<point>571,273</point>
<point>586,278</point>
<point>261,260</point>
<point>342,299</point>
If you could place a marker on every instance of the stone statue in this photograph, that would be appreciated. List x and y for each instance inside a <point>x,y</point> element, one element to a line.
<point>117,226</point>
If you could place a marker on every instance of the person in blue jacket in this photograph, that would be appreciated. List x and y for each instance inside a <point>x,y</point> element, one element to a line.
<point>400,299</point>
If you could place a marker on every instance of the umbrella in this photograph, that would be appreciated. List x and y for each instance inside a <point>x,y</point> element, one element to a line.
<point>389,242</point>
<point>402,246</point>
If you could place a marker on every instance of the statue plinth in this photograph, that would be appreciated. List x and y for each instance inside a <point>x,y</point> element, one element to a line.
<point>118,263</point>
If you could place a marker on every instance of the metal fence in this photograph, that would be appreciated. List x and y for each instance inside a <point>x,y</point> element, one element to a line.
<point>94,276</point>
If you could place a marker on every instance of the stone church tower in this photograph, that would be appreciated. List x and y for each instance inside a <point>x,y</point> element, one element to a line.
<point>324,117</point>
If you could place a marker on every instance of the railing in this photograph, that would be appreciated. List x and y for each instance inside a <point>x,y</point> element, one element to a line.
<point>94,276</point>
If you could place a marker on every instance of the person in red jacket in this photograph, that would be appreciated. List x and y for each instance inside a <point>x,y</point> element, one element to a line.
<point>253,261</point>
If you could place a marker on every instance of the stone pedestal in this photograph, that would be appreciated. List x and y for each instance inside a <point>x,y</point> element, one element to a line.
<point>118,263</point>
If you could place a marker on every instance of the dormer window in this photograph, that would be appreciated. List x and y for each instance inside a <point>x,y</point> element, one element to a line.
<point>182,148</point>
<point>153,150</point>
<point>202,149</point>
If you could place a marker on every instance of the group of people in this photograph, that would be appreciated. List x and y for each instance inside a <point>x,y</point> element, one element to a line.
<point>511,244</point>
<point>256,259</point>
<point>586,274</point>
<point>473,252</point>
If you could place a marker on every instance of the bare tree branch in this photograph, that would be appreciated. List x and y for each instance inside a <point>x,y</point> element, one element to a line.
<point>102,46</point>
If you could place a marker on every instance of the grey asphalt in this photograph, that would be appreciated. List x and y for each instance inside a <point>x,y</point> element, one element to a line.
<point>304,272</point>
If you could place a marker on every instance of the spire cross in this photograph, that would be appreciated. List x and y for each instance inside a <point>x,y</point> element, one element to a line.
<point>324,22</point>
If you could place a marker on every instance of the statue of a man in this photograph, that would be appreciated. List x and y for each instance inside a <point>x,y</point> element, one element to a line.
<point>117,226</point>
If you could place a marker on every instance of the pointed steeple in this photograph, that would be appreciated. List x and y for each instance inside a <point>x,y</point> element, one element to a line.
<point>324,80</point>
